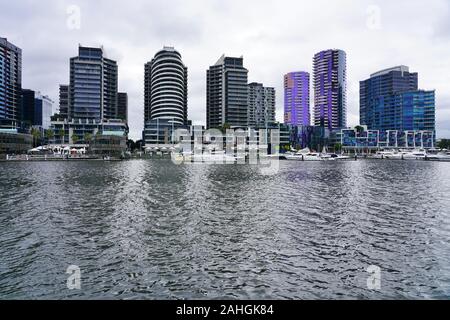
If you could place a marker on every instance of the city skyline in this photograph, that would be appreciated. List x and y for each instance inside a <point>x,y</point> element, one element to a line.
<point>269,52</point>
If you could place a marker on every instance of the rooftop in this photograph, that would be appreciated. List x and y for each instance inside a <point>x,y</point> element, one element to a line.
<point>386,71</point>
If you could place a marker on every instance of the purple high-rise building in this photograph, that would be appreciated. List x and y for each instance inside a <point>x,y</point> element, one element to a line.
<point>330,89</point>
<point>296,98</point>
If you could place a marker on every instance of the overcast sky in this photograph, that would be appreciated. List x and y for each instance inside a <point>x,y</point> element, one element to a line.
<point>275,37</point>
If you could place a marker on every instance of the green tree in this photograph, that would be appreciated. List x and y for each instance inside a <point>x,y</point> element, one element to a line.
<point>337,147</point>
<point>36,136</point>
<point>130,144</point>
<point>87,137</point>
<point>224,127</point>
<point>138,145</point>
<point>61,133</point>
<point>359,129</point>
<point>74,138</point>
<point>444,144</point>
<point>49,135</point>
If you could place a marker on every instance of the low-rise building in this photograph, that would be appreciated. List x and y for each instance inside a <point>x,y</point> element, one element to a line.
<point>14,143</point>
<point>161,131</point>
<point>312,137</point>
<point>361,139</point>
<point>163,135</point>
<point>108,145</point>
<point>80,131</point>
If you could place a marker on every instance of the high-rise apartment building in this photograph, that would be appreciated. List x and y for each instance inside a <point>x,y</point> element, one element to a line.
<point>10,85</point>
<point>36,109</point>
<point>227,93</point>
<point>93,85</point>
<point>387,101</point>
<point>165,96</point>
<point>88,106</point>
<point>330,89</point>
<point>414,111</point>
<point>261,105</point>
<point>63,101</point>
<point>122,106</point>
<point>296,99</point>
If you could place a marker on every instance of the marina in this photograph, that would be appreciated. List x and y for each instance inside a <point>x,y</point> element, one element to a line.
<point>222,156</point>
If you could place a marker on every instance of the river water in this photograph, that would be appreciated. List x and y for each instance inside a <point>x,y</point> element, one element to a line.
<point>150,229</point>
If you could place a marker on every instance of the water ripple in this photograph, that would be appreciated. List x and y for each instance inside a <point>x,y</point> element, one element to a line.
<point>154,230</point>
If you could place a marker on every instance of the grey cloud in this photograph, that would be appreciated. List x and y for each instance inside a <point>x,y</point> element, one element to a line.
<point>275,37</point>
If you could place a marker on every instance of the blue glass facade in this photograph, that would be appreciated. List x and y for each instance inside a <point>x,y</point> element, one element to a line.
<point>93,85</point>
<point>161,131</point>
<point>375,139</point>
<point>86,84</point>
<point>417,110</point>
<point>88,106</point>
<point>390,100</point>
<point>313,137</point>
<point>365,139</point>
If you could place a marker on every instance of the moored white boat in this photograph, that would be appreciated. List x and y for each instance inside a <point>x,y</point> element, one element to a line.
<point>393,155</point>
<point>327,156</point>
<point>303,155</point>
<point>400,155</point>
<point>216,157</point>
<point>335,157</point>
<point>414,155</point>
<point>445,157</point>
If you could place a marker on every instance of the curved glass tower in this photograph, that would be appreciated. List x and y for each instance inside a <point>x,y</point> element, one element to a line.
<point>166,87</point>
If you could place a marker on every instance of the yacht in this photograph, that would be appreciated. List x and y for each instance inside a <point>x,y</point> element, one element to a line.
<point>386,155</point>
<point>181,157</point>
<point>401,154</point>
<point>304,155</point>
<point>442,156</point>
<point>325,155</point>
<point>414,155</point>
<point>216,157</point>
<point>335,157</point>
